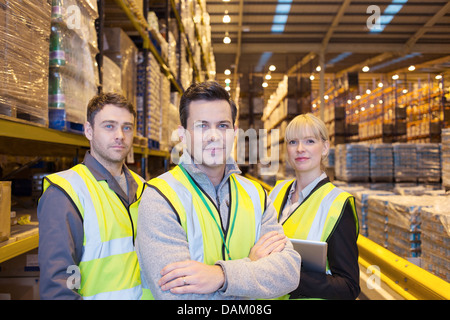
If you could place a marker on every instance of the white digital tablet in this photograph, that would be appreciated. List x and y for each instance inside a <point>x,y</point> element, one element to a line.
<point>313,254</point>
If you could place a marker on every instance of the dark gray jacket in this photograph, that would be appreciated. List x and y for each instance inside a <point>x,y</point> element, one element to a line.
<point>61,232</point>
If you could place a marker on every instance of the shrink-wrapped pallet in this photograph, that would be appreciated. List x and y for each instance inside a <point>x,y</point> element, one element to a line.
<point>24,60</point>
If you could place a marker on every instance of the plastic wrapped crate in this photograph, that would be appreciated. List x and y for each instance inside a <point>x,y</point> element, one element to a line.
<point>362,206</point>
<point>381,162</point>
<point>436,239</point>
<point>405,162</point>
<point>153,125</point>
<point>352,162</point>
<point>429,162</point>
<point>73,73</point>
<point>377,219</point>
<point>24,60</point>
<point>112,77</point>
<point>121,50</point>
<point>445,157</point>
<point>404,223</point>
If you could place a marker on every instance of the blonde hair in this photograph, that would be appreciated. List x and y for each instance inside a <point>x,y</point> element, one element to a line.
<point>306,123</point>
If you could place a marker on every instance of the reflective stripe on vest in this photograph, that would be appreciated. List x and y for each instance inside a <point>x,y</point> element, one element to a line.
<point>281,187</point>
<point>200,218</point>
<point>109,267</point>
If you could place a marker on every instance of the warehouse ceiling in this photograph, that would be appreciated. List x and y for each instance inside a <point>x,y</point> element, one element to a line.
<point>386,35</point>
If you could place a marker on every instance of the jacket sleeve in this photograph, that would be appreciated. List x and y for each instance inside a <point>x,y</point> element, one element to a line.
<point>60,243</point>
<point>342,255</point>
<point>270,277</point>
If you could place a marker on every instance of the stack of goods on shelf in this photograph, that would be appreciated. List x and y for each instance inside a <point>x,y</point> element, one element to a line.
<point>166,129</point>
<point>73,78</point>
<point>24,58</point>
<point>112,76</point>
<point>123,52</point>
<point>152,129</point>
<point>428,162</point>
<point>352,162</point>
<point>436,239</point>
<point>403,224</point>
<point>376,219</point>
<point>446,158</point>
<point>174,121</point>
<point>381,162</point>
<point>405,162</point>
<point>362,206</point>
<point>394,221</point>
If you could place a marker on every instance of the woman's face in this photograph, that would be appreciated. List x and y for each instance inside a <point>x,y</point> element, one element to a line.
<point>306,151</point>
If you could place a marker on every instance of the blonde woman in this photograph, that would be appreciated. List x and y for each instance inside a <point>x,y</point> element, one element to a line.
<point>310,207</point>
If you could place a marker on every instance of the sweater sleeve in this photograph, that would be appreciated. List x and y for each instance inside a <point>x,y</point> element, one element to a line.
<point>342,256</point>
<point>60,244</point>
<point>161,240</point>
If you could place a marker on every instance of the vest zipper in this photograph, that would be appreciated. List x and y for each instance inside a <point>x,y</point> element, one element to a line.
<point>127,207</point>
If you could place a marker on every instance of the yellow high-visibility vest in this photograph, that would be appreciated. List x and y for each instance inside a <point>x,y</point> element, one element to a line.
<point>317,216</point>
<point>200,218</point>
<point>109,266</point>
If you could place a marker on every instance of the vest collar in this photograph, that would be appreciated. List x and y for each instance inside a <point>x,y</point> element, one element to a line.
<point>100,173</point>
<point>188,163</point>
<point>283,204</point>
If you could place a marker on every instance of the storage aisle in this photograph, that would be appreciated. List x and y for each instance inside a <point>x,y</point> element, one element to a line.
<point>384,96</point>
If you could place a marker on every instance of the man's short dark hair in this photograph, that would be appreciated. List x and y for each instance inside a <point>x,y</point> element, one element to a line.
<point>209,91</point>
<point>102,99</point>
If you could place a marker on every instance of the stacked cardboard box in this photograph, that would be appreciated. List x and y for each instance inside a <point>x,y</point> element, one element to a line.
<point>446,157</point>
<point>405,162</point>
<point>436,239</point>
<point>122,51</point>
<point>381,162</point>
<point>352,162</point>
<point>428,162</point>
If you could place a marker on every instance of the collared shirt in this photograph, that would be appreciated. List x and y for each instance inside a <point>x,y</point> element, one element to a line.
<point>302,194</point>
<point>61,231</point>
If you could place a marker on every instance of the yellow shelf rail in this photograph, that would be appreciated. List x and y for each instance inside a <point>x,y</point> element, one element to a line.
<point>18,247</point>
<point>401,275</point>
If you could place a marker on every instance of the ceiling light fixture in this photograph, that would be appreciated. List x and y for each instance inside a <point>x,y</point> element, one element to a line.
<point>395,77</point>
<point>227,72</point>
<point>227,38</point>
<point>226,18</point>
<point>272,68</point>
<point>365,69</point>
<point>268,76</point>
<point>411,68</point>
<point>264,84</point>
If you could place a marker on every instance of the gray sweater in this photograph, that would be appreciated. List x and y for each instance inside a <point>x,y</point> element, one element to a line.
<point>161,240</point>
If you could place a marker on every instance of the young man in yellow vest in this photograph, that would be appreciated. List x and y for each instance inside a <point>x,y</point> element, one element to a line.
<point>88,214</point>
<point>204,231</point>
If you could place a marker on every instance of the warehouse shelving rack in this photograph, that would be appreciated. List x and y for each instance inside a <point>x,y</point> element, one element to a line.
<point>19,137</point>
